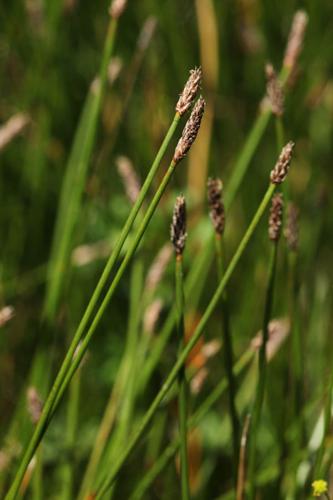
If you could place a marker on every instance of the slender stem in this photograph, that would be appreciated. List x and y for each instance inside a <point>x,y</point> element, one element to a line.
<point>261,383</point>
<point>189,346</point>
<point>228,359</point>
<point>241,476</point>
<point>193,421</point>
<point>182,397</point>
<point>70,363</point>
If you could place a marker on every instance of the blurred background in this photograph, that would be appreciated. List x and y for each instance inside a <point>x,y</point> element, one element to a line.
<point>50,54</point>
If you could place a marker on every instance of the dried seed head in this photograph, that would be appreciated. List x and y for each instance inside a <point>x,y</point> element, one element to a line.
<point>275,217</point>
<point>274,91</point>
<point>217,214</point>
<point>280,171</point>
<point>295,40</point>
<point>129,177</point>
<point>34,403</point>
<point>291,231</point>
<point>117,7</point>
<point>158,267</point>
<point>191,88</point>
<point>190,131</point>
<point>178,227</point>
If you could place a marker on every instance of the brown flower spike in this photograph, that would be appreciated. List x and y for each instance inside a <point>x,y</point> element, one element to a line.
<point>274,91</point>
<point>191,88</point>
<point>217,213</point>
<point>281,169</point>
<point>190,131</point>
<point>275,218</point>
<point>178,227</point>
<point>295,40</point>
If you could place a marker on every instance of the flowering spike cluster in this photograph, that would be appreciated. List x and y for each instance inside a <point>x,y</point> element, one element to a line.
<point>295,40</point>
<point>275,217</point>
<point>274,91</point>
<point>281,169</point>
<point>129,177</point>
<point>117,7</point>
<point>291,231</point>
<point>191,88</point>
<point>190,131</point>
<point>217,213</point>
<point>34,404</point>
<point>178,227</point>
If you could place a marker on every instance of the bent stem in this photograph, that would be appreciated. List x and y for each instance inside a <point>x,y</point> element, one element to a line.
<point>262,362</point>
<point>196,335</point>
<point>182,398</point>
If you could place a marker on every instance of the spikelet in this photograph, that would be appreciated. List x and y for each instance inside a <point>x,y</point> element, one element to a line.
<point>274,91</point>
<point>295,40</point>
<point>178,227</point>
<point>190,131</point>
<point>13,127</point>
<point>34,404</point>
<point>129,177</point>
<point>275,217</point>
<point>281,169</point>
<point>217,213</point>
<point>190,91</point>
<point>117,7</point>
<point>158,267</point>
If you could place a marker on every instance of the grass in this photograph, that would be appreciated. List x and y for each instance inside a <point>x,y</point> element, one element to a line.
<point>94,87</point>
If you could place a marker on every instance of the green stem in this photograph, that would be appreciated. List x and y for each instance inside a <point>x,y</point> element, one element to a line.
<point>228,356</point>
<point>182,397</point>
<point>193,421</point>
<point>261,383</point>
<point>71,363</point>
<point>196,335</point>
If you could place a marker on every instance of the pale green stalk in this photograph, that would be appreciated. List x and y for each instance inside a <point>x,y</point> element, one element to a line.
<point>196,335</point>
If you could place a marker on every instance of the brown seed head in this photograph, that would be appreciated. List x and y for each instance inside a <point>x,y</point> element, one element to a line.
<point>117,7</point>
<point>34,403</point>
<point>190,131</point>
<point>191,88</point>
<point>178,227</point>
<point>274,91</point>
<point>217,213</point>
<point>291,231</point>
<point>295,40</point>
<point>129,177</point>
<point>275,217</point>
<point>280,171</point>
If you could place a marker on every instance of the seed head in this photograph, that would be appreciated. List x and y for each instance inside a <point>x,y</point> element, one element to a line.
<point>275,218</point>
<point>129,177</point>
<point>117,7</point>
<point>274,91</point>
<point>191,88</point>
<point>190,131</point>
<point>217,213</point>
<point>178,227</point>
<point>34,403</point>
<point>291,231</point>
<point>295,40</point>
<point>281,169</point>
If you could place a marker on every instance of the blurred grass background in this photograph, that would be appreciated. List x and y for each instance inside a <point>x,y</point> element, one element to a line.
<point>50,54</point>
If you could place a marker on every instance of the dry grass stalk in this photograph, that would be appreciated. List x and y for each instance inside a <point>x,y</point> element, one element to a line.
<point>190,91</point>
<point>274,91</point>
<point>34,404</point>
<point>217,213</point>
<point>129,177</point>
<point>291,231</point>
<point>295,40</point>
<point>158,268</point>
<point>281,169</point>
<point>12,128</point>
<point>178,226</point>
<point>190,131</point>
<point>117,7</point>
<point>275,217</point>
